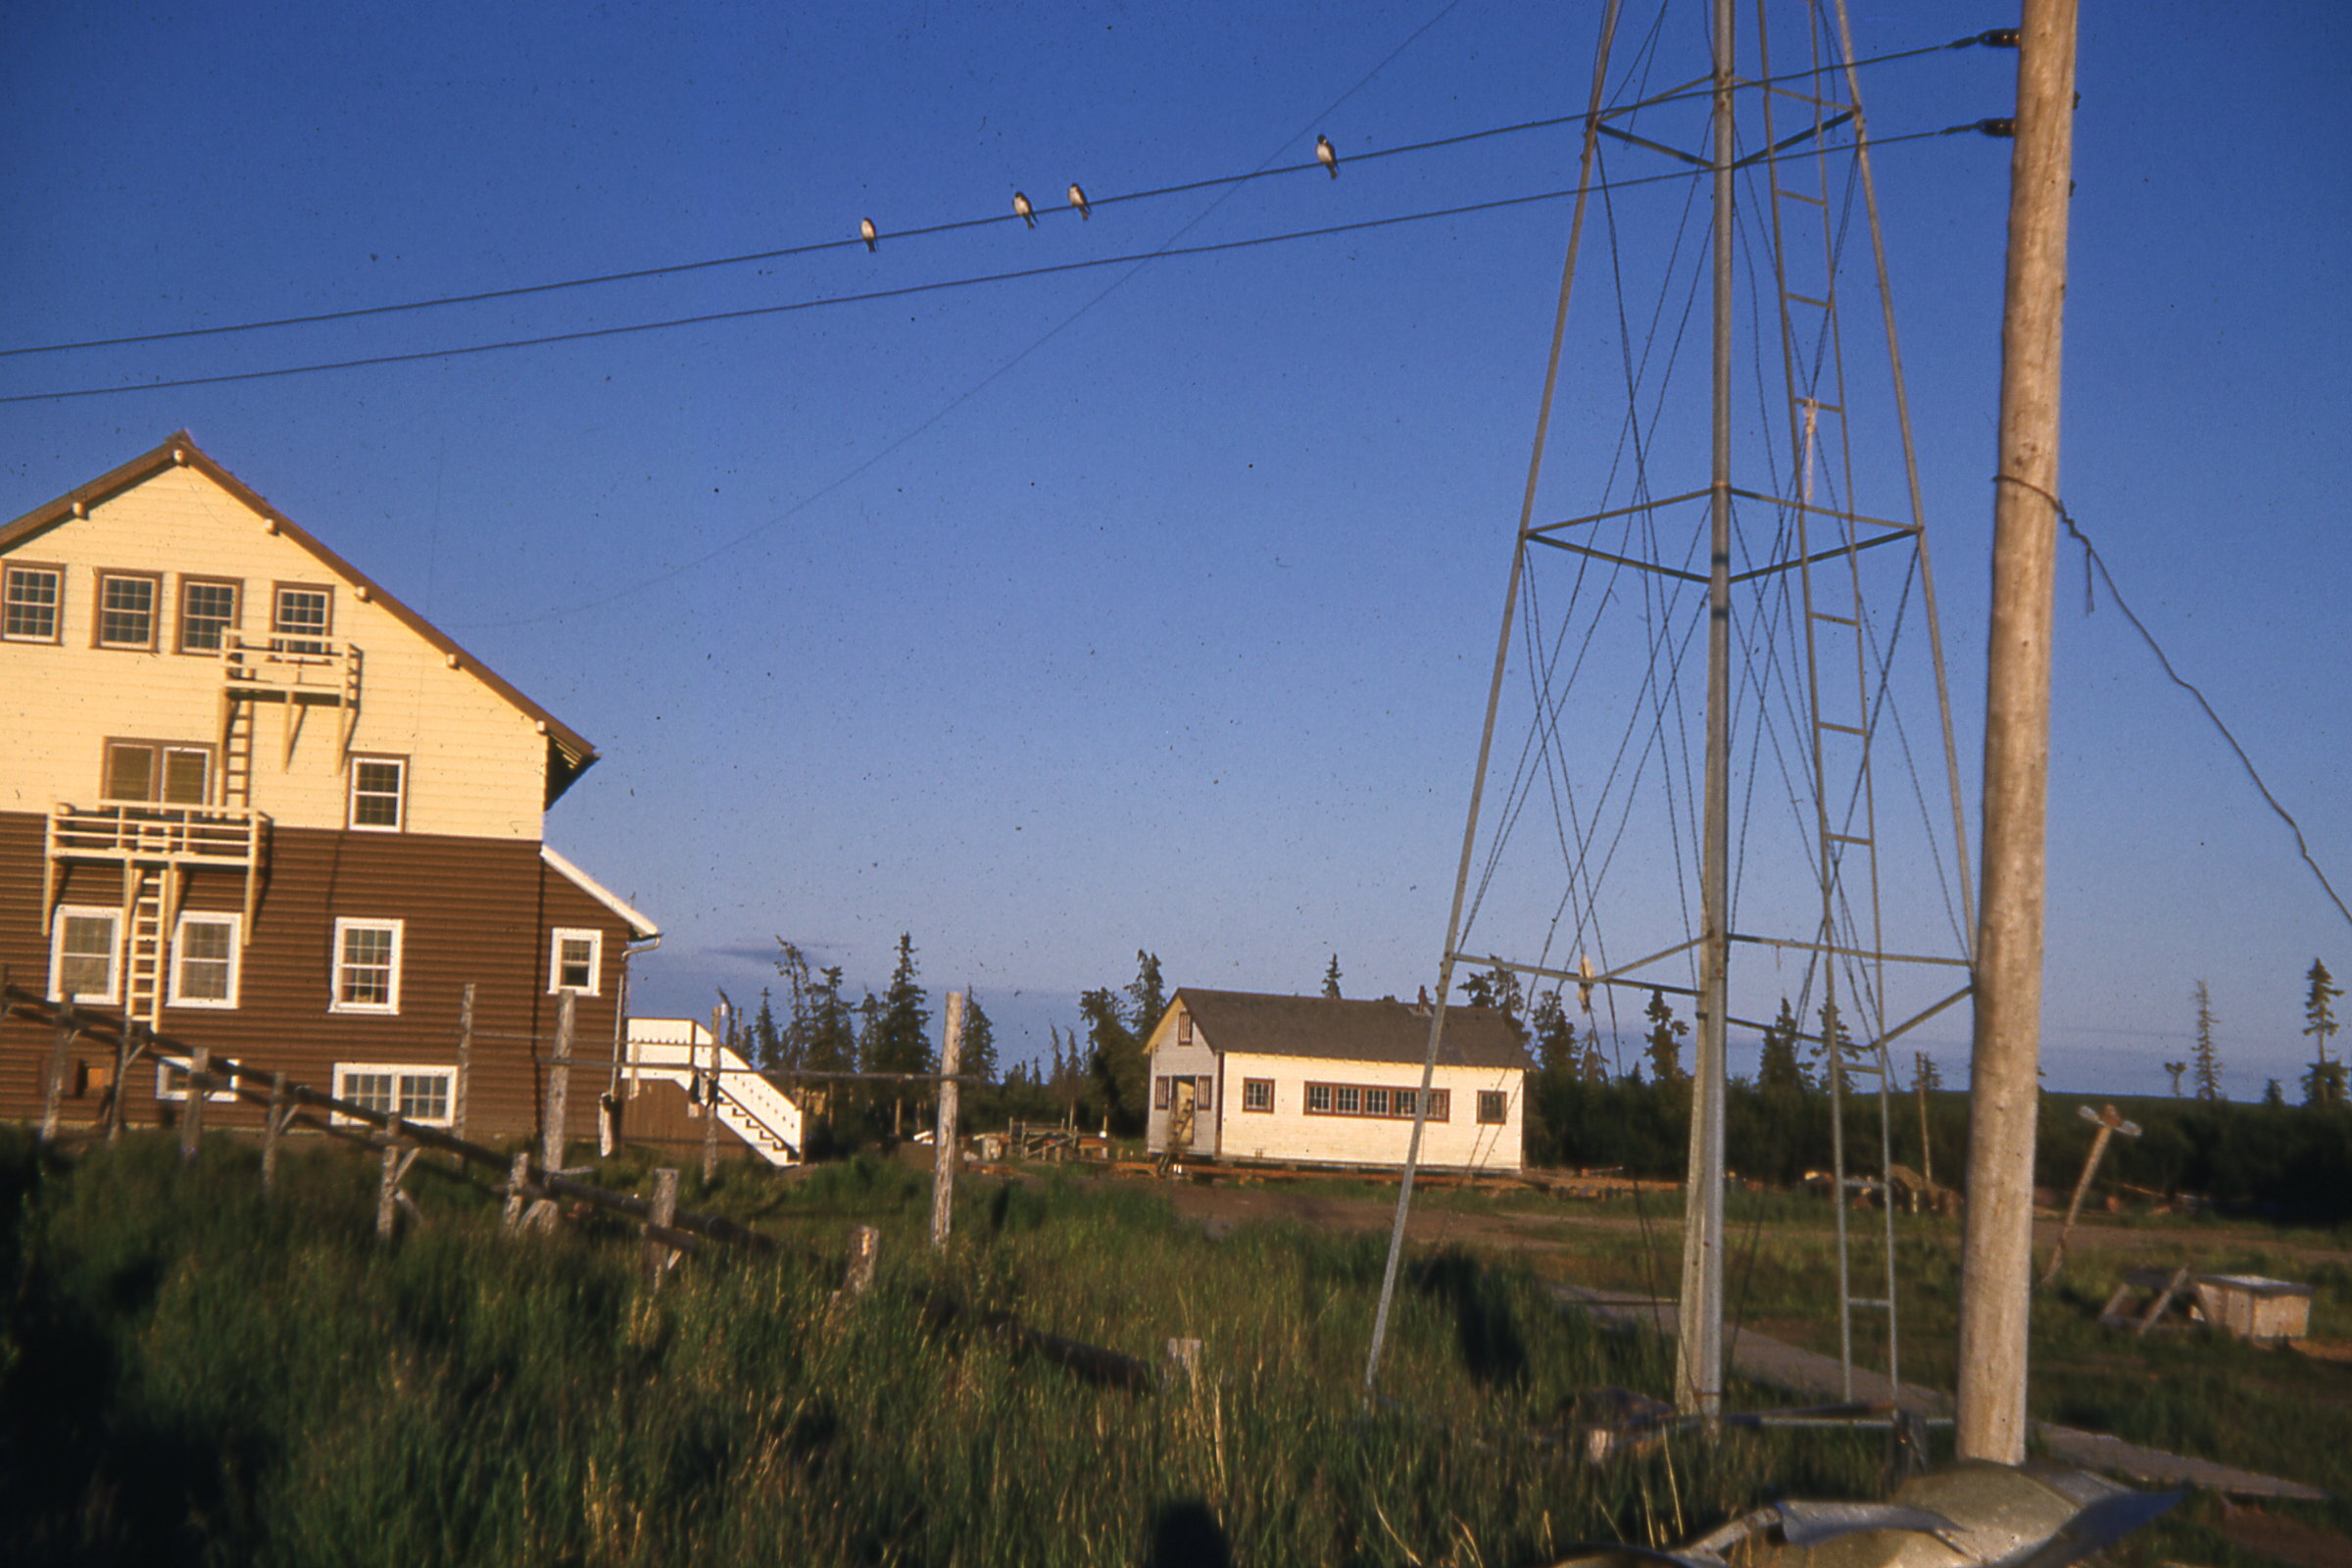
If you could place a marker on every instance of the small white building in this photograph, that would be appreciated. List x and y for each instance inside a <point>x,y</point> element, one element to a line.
<point>1240,1076</point>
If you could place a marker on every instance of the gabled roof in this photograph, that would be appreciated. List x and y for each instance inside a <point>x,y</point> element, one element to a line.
<point>644,929</point>
<point>568,754</point>
<point>1339,1029</point>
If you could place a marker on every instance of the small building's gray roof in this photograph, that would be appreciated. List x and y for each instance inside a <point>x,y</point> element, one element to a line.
<point>1346,1030</point>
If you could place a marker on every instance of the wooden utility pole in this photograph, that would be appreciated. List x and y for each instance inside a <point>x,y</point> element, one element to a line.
<point>1996,1261</point>
<point>55,1090</point>
<point>943,1137</point>
<point>719,1017</point>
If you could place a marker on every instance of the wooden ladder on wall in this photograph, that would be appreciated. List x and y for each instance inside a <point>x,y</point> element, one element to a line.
<point>146,893</point>
<point>236,753</point>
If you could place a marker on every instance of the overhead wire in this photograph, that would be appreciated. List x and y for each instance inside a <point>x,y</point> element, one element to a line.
<point>815,247</point>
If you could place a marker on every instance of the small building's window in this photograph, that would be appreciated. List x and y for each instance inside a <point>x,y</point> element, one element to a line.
<point>1440,1104</point>
<point>86,953</point>
<point>1494,1107</point>
<point>378,788</point>
<point>301,618</point>
<point>168,773</point>
<point>414,1094</point>
<point>1257,1093</point>
<point>205,954</point>
<point>126,609</point>
<point>574,960</point>
<point>1376,1102</point>
<point>1347,1099</point>
<point>1159,1093</point>
<point>29,611</point>
<point>172,1081</point>
<point>367,967</point>
<point>1318,1099</point>
<point>207,609</point>
<point>1205,1091</point>
<point>1184,1028</point>
<point>1407,1100</point>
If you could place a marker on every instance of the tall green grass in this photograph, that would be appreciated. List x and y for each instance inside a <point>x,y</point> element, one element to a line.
<point>193,1372</point>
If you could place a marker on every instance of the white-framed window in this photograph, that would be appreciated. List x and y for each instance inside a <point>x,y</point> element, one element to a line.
<point>574,960</point>
<point>413,1093</point>
<point>85,954</point>
<point>172,1081</point>
<point>300,618</point>
<point>127,605</point>
<point>366,966</point>
<point>30,611</point>
<point>379,793</point>
<point>207,960</point>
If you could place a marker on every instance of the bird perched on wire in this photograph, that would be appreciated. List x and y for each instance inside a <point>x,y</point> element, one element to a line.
<point>1327,155</point>
<point>1078,200</point>
<point>866,231</point>
<point>1020,205</point>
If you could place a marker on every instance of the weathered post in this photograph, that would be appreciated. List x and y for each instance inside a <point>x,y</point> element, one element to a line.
<point>59,1043</point>
<point>191,1119</point>
<point>127,1046</point>
<point>518,1173</point>
<point>865,1247</point>
<point>943,1138</point>
<point>274,1129</point>
<point>710,1094</point>
<point>2109,1122</point>
<point>559,1089</point>
<point>457,1100</point>
<point>665,1215</point>
<point>388,1184</point>
<point>1181,1366</point>
<point>1997,1240</point>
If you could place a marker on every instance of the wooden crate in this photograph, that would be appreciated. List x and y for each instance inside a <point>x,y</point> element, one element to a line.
<point>2250,1306</point>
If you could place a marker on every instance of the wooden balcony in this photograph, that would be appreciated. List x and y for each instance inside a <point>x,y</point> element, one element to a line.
<point>231,837</point>
<point>290,670</point>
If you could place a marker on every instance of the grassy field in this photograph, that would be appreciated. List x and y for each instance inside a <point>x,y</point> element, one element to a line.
<point>192,1372</point>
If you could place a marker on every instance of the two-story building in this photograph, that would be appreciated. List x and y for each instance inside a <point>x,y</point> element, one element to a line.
<point>252,800</point>
<point>1240,1076</point>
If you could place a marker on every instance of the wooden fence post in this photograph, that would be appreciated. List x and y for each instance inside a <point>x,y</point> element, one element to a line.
<point>710,1094</point>
<point>457,1103</point>
<point>386,1187</point>
<point>865,1246</point>
<point>126,1053</point>
<point>559,1089</point>
<point>272,1129</point>
<point>657,1254</point>
<point>1181,1367</point>
<point>943,1138</point>
<point>518,1175</point>
<point>191,1117</point>
<point>61,1043</point>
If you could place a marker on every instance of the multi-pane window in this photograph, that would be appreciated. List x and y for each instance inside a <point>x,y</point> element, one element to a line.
<point>414,1094</point>
<point>1204,1091</point>
<point>203,962</point>
<point>378,785</point>
<point>171,1082</point>
<point>301,618</point>
<point>1257,1093</point>
<point>573,960</point>
<point>30,603</point>
<point>1184,1029</point>
<point>1159,1093</point>
<point>158,772</point>
<point>367,967</point>
<point>207,612</point>
<point>1494,1107</point>
<point>126,610</point>
<point>84,954</point>
<point>1359,1099</point>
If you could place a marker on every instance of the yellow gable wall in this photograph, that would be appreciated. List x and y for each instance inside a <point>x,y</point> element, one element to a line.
<point>476,764</point>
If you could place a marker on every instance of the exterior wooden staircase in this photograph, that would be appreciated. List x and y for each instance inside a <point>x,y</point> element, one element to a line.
<point>681,1052</point>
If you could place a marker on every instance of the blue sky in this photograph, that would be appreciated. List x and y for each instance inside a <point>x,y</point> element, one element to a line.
<point>1151,607</point>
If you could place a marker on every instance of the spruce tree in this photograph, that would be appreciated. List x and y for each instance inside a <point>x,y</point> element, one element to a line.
<point>1663,1043</point>
<point>2207,1057</point>
<point>2324,1083</point>
<point>1114,1060</point>
<point>1779,1070</point>
<point>1836,1048</point>
<point>1555,1038</point>
<point>1330,978</point>
<point>1147,998</point>
<point>978,1052</point>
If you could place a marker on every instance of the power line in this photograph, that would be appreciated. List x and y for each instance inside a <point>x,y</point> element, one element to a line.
<point>675,269</point>
<point>902,291</point>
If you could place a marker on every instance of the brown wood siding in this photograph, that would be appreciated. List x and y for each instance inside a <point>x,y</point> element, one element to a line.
<point>473,909</point>
<point>661,1119</point>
